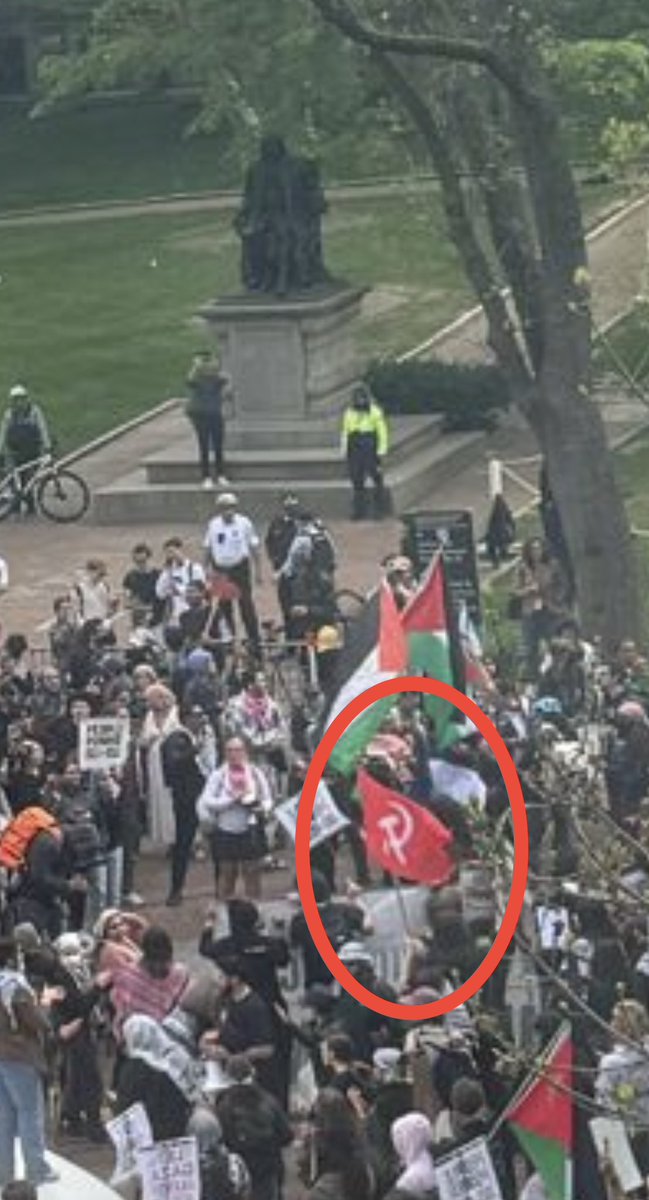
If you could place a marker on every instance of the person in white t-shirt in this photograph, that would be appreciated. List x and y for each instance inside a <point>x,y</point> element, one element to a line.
<point>94,596</point>
<point>232,551</point>
<point>4,575</point>
<point>175,578</point>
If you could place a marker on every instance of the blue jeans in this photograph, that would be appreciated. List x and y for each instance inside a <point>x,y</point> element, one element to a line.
<point>22,1114</point>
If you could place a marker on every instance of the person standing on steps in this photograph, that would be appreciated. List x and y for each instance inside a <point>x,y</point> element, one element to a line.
<point>209,387</point>
<point>364,442</point>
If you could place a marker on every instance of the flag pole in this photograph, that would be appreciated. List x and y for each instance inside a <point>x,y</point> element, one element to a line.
<point>402,907</point>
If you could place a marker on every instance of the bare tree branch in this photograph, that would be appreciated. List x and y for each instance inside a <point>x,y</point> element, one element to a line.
<point>511,235</point>
<point>502,335</point>
<point>454,49</point>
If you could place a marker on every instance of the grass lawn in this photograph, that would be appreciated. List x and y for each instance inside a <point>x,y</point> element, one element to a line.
<point>108,152</point>
<point>133,150</point>
<point>627,342</point>
<point>126,150</point>
<point>97,316</point>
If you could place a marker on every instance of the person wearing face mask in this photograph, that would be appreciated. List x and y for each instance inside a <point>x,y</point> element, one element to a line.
<point>364,443</point>
<point>233,557</point>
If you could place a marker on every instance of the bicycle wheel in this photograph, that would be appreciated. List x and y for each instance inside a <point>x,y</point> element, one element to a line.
<point>63,496</point>
<point>8,499</point>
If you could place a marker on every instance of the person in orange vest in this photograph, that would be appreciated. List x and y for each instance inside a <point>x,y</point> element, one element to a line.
<point>364,442</point>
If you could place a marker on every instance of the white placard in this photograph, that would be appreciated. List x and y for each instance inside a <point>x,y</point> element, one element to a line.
<point>215,1079</point>
<point>170,1170</point>
<point>468,1175</point>
<point>611,1140</point>
<point>103,743</point>
<point>459,784</point>
<point>327,817</point>
<point>130,1132</point>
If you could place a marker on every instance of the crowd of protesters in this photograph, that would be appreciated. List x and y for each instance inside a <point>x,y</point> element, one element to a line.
<point>301,1086</point>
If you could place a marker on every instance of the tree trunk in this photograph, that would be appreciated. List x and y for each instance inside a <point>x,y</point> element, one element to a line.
<point>580,469</point>
<point>553,388</point>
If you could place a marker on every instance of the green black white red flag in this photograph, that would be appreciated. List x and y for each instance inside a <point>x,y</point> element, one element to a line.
<point>541,1116</point>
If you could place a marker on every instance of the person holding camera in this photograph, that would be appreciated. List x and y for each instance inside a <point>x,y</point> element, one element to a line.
<point>208,388</point>
<point>232,810</point>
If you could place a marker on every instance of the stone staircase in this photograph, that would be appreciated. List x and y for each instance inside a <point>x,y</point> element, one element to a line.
<point>261,464</point>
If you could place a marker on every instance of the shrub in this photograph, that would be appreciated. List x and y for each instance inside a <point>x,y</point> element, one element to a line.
<point>469,397</point>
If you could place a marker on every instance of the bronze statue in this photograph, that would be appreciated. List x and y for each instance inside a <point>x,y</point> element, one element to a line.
<point>280,222</point>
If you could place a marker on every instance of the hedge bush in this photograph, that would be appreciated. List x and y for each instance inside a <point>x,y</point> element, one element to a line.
<point>470,397</point>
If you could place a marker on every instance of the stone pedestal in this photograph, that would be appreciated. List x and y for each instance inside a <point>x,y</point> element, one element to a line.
<point>290,360</point>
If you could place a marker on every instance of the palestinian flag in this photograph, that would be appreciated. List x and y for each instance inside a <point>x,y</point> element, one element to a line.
<point>433,646</point>
<point>375,650</point>
<point>541,1116</point>
<point>476,674</point>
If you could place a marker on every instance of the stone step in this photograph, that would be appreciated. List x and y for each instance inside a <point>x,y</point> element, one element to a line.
<point>133,500</point>
<point>291,460</point>
<point>417,479</point>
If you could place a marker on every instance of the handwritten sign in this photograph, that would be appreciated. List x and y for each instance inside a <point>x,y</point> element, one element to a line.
<point>103,743</point>
<point>468,1175</point>
<point>130,1132</point>
<point>170,1170</point>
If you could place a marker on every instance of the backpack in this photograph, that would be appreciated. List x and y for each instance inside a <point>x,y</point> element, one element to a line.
<point>251,1126</point>
<point>322,559</point>
<point>82,837</point>
<point>18,835</point>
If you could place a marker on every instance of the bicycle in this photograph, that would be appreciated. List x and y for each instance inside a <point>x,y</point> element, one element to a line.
<point>55,492</point>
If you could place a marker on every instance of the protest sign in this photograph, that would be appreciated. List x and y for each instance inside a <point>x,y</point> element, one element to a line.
<point>460,784</point>
<point>327,817</point>
<point>427,532</point>
<point>170,1170</point>
<point>612,1143</point>
<point>103,743</point>
<point>468,1175</point>
<point>130,1132</point>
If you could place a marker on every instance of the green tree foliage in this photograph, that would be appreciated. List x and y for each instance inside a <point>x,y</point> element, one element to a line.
<point>252,68</point>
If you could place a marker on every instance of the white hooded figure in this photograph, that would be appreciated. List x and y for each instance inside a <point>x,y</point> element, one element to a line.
<point>412,1138</point>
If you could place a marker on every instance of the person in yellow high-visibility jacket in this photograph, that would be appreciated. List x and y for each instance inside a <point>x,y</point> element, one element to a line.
<point>365,443</point>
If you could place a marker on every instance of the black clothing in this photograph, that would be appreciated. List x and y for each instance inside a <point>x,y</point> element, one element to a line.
<point>210,430</point>
<point>240,575</point>
<point>343,923</point>
<point>205,411</point>
<point>502,1147</point>
<point>278,540</point>
<point>81,1078</point>
<point>185,780</point>
<point>141,585</point>
<point>279,537</point>
<point>43,886</point>
<point>364,463</point>
<point>366,1029</point>
<point>248,1023</point>
<point>500,532</point>
<point>255,1127</point>
<point>167,1108</point>
<point>23,790</point>
<point>259,955</point>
